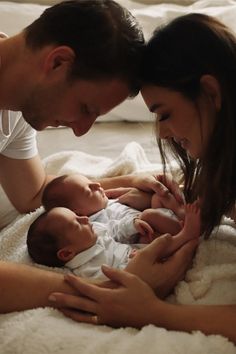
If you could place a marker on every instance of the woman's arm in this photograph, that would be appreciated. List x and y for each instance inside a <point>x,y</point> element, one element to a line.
<point>133,303</point>
<point>210,319</point>
<point>153,264</point>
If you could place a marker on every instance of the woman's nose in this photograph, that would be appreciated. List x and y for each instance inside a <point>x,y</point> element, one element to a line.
<point>163,131</point>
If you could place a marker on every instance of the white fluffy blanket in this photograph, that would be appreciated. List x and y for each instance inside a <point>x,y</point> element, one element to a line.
<point>212,280</point>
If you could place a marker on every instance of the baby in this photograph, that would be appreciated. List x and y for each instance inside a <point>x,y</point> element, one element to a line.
<point>84,197</point>
<point>59,237</point>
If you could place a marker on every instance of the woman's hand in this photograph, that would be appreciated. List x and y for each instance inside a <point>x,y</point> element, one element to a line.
<point>172,186</point>
<point>127,300</point>
<point>161,265</point>
<point>131,303</point>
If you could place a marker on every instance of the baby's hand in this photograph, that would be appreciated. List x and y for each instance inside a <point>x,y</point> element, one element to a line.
<point>145,230</point>
<point>133,253</point>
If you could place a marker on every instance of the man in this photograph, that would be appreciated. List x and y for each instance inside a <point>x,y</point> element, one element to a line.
<point>78,60</point>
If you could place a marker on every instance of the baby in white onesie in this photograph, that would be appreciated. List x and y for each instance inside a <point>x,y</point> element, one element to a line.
<point>84,197</point>
<point>110,234</point>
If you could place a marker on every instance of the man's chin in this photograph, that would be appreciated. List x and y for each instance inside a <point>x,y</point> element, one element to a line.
<point>34,124</point>
<point>38,127</point>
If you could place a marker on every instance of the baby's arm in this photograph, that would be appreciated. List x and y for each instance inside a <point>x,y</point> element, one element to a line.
<point>191,229</point>
<point>162,221</point>
<point>122,230</point>
<point>144,229</point>
<point>129,227</point>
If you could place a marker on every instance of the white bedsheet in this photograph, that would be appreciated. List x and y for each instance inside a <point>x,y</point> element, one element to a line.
<point>15,16</point>
<point>212,280</point>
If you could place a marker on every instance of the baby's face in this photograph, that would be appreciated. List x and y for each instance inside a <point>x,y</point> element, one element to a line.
<point>72,229</point>
<point>84,196</point>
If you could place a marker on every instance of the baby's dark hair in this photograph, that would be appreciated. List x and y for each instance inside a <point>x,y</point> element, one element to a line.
<point>52,197</point>
<point>42,244</point>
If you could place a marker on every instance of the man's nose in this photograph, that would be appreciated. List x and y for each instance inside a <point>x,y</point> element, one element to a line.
<point>83,125</point>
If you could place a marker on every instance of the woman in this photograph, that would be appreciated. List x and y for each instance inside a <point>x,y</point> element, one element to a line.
<point>189,82</point>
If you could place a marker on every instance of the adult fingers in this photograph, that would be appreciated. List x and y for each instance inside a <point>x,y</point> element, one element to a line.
<point>171,186</point>
<point>159,188</point>
<point>71,301</point>
<point>92,291</point>
<point>88,294</point>
<point>158,248</point>
<point>182,258</point>
<point>118,276</point>
<point>80,317</point>
<point>175,267</point>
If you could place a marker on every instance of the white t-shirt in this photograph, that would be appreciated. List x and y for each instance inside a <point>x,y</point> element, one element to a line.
<point>17,137</point>
<point>18,141</point>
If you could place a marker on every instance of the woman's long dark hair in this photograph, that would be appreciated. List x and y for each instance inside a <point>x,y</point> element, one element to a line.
<point>177,56</point>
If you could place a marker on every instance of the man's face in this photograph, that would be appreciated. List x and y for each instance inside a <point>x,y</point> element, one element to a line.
<point>76,105</point>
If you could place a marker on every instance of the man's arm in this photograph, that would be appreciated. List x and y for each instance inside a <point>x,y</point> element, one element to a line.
<point>147,182</point>
<point>24,287</point>
<point>23,181</point>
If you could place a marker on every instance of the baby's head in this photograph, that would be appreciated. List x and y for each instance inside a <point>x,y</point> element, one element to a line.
<point>75,192</point>
<point>57,235</point>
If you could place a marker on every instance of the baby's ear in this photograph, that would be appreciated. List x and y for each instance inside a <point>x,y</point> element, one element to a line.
<point>65,254</point>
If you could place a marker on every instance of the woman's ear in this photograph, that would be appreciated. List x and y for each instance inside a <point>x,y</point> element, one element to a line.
<point>211,88</point>
<point>65,254</point>
<point>59,58</point>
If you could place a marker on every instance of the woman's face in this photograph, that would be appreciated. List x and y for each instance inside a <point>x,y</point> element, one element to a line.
<point>189,123</point>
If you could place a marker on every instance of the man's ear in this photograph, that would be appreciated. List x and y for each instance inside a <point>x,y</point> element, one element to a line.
<point>211,87</point>
<point>65,254</point>
<point>59,58</point>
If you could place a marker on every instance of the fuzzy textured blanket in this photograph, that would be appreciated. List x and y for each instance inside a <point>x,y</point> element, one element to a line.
<point>212,280</point>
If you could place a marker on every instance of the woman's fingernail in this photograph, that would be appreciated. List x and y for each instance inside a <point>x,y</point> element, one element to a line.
<point>52,298</point>
<point>106,267</point>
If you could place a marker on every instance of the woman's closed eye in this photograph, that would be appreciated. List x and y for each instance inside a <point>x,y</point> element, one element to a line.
<point>161,117</point>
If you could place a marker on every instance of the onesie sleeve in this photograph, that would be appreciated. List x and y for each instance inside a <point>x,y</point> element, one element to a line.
<point>22,143</point>
<point>123,230</point>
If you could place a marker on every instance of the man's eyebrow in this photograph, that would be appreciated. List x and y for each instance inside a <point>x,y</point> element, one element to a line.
<point>154,107</point>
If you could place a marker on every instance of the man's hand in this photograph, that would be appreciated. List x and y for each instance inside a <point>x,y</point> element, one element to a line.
<point>132,197</point>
